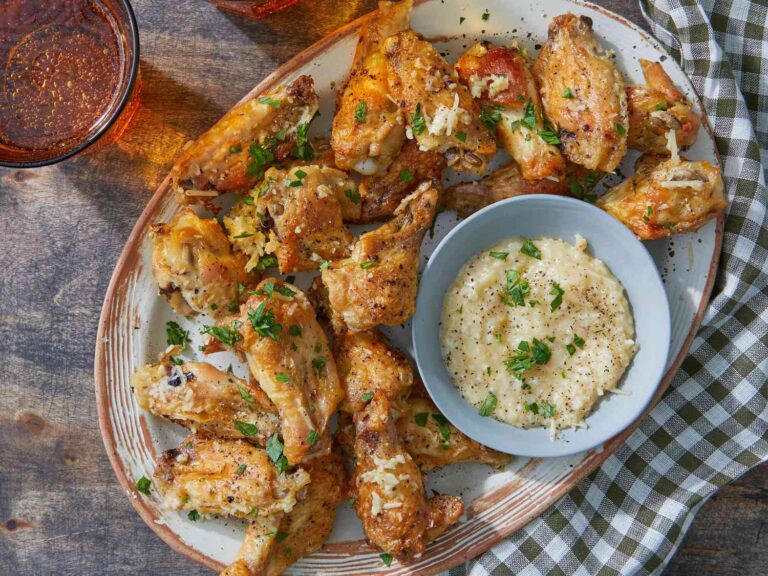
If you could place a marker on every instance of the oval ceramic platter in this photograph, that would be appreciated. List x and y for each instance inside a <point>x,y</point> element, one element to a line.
<point>132,325</point>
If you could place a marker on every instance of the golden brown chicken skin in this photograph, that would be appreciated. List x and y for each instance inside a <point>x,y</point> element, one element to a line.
<point>271,545</point>
<point>440,111</point>
<point>655,109</point>
<point>380,195</point>
<point>226,476</point>
<point>467,198</point>
<point>377,284</point>
<point>194,265</point>
<point>369,128</point>
<point>307,205</point>
<point>232,155</point>
<point>203,398</point>
<point>666,196</point>
<point>500,79</point>
<point>390,499</point>
<point>583,94</point>
<point>288,353</point>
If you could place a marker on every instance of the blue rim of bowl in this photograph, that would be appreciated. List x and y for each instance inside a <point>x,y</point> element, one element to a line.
<point>132,74</point>
<point>638,408</point>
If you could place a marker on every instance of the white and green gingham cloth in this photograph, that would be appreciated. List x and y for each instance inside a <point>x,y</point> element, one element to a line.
<point>629,517</point>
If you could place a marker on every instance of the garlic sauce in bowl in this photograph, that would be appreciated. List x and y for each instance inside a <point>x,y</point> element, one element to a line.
<point>534,332</point>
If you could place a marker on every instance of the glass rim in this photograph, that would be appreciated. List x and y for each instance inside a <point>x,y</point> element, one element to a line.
<point>133,30</point>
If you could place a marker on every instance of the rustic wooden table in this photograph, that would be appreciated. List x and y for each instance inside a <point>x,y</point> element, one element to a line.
<point>62,229</point>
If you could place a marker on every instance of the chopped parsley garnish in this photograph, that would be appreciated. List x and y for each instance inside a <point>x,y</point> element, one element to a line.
<point>285,291</point>
<point>421,419</point>
<point>418,124</point>
<point>386,558</point>
<point>176,361</point>
<point>266,261</point>
<point>557,292</point>
<point>461,19</point>
<point>261,157</point>
<point>299,175</point>
<point>275,452</point>
<point>461,136</point>
<point>620,130</point>
<point>516,290</point>
<point>312,437</point>
<point>368,264</point>
<point>353,195</point>
<point>442,426</point>
<point>280,536</point>
<point>227,335</point>
<point>360,111</point>
<point>248,199</point>
<point>243,235</point>
<point>548,410</point>
<point>143,485</point>
<point>568,93</point>
<point>282,377</point>
<point>324,264</point>
<point>235,148</point>
<point>486,15</point>
<point>303,149</point>
<point>406,175</point>
<point>264,187</point>
<point>488,405</point>
<point>269,101</point>
<point>194,515</point>
<point>532,407</point>
<point>241,470</point>
<point>647,215</point>
<point>294,330</point>
<point>663,105</point>
<point>490,116</point>
<point>245,395</point>
<point>549,134</point>
<point>367,397</point>
<point>263,322</point>
<point>176,335</point>
<point>526,356</point>
<point>499,255</point>
<point>319,364</point>
<point>529,249</point>
<point>246,428</point>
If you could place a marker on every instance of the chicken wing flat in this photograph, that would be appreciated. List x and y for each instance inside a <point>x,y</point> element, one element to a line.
<point>369,128</point>
<point>288,353</point>
<point>194,265</point>
<point>271,546</point>
<point>500,79</point>
<point>203,398</point>
<point>583,94</point>
<point>233,154</point>
<point>226,476</point>
<point>307,206</point>
<point>381,194</point>
<point>507,182</point>
<point>657,108</point>
<point>666,196</point>
<point>390,499</point>
<point>440,111</point>
<point>367,363</point>
<point>433,442</point>
<point>377,284</point>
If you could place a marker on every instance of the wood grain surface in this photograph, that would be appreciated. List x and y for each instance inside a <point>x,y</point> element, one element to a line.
<point>61,231</point>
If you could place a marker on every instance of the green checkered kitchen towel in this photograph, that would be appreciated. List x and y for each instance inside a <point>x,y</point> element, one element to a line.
<point>630,516</point>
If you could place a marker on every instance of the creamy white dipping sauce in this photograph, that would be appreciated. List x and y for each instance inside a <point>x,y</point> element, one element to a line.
<point>534,332</point>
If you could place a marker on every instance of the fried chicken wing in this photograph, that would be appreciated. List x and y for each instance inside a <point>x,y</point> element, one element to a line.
<point>203,398</point>
<point>226,476</point>
<point>583,94</point>
<point>382,194</point>
<point>233,154</point>
<point>307,206</point>
<point>439,109</point>
<point>666,196</point>
<point>271,545</point>
<point>288,353</point>
<point>657,108</point>
<point>377,284</point>
<point>500,79</point>
<point>194,265</point>
<point>369,128</point>
<point>390,499</point>
<point>507,182</point>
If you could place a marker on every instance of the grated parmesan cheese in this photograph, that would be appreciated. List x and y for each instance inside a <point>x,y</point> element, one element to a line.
<point>672,146</point>
<point>695,184</point>
<point>447,119</point>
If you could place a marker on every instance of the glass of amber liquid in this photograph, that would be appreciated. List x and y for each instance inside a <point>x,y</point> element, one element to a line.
<point>68,68</point>
<point>255,9</point>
